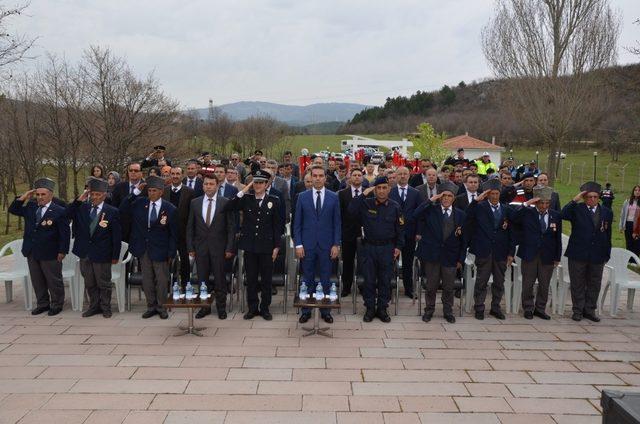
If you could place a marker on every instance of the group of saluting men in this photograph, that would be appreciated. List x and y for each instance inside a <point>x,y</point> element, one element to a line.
<point>206,216</point>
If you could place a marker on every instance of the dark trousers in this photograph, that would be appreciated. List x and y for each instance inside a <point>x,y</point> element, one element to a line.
<point>258,264</point>
<point>348,262</point>
<point>155,282</point>
<point>408,252</point>
<point>377,266</point>
<point>436,274</point>
<point>317,261</point>
<point>97,283</point>
<point>208,263</point>
<point>532,271</point>
<point>631,244</point>
<point>185,266</point>
<point>586,278</point>
<point>46,278</point>
<point>486,267</point>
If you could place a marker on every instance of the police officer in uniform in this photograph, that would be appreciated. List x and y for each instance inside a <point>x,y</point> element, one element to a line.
<point>540,250</point>
<point>588,250</point>
<point>154,236</point>
<point>442,247</point>
<point>260,239</point>
<point>492,241</point>
<point>383,223</point>
<point>45,244</point>
<point>97,244</point>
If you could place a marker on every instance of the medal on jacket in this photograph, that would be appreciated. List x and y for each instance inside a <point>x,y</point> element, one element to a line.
<point>163,219</point>
<point>603,226</point>
<point>553,227</point>
<point>102,222</point>
<point>269,205</point>
<point>505,224</point>
<point>458,231</point>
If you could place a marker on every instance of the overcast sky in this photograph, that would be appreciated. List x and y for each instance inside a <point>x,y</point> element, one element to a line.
<point>284,51</point>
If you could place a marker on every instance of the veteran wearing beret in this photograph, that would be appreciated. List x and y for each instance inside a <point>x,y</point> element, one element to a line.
<point>588,250</point>
<point>45,244</point>
<point>97,244</point>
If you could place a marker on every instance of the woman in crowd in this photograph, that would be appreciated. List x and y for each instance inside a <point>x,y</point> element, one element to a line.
<point>628,217</point>
<point>113,178</point>
<point>97,171</point>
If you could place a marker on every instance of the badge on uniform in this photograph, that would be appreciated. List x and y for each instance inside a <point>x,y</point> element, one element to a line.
<point>458,231</point>
<point>102,222</point>
<point>163,219</point>
<point>269,205</point>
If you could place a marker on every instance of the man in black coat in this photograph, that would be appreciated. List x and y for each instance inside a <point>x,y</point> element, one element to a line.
<point>351,229</point>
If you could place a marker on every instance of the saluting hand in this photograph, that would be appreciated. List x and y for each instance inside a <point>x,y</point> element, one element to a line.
<point>368,190</point>
<point>579,196</point>
<point>27,195</point>
<point>532,201</point>
<point>482,196</point>
<point>84,195</point>
<point>435,197</point>
<point>247,187</point>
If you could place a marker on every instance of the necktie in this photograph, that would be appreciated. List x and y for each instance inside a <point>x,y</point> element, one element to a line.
<point>357,193</point>
<point>131,189</point>
<point>496,215</point>
<point>318,202</point>
<point>221,190</point>
<point>190,183</point>
<point>209,209</point>
<point>593,210</point>
<point>402,193</point>
<point>153,216</point>
<point>175,190</point>
<point>94,219</point>
<point>543,225</point>
<point>39,214</point>
<point>445,214</point>
<point>473,197</point>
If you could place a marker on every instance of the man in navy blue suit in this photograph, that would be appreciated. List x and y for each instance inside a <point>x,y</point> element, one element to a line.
<point>492,241</point>
<point>588,250</point>
<point>154,235</point>
<point>540,250</point>
<point>317,232</point>
<point>97,244</point>
<point>192,180</point>
<point>442,247</point>
<point>409,199</point>
<point>45,244</point>
<point>225,189</point>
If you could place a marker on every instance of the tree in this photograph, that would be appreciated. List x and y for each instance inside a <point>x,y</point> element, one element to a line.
<point>13,46</point>
<point>536,45</point>
<point>430,143</point>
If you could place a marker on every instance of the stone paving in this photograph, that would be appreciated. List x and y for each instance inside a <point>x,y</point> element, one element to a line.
<point>69,369</point>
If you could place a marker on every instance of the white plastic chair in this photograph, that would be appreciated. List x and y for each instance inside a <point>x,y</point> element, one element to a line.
<point>619,279</point>
<point>19,272</point>
<point>470,280</point>
<point>71,273</point>
<point>562,280</point>
<point>118,277</point>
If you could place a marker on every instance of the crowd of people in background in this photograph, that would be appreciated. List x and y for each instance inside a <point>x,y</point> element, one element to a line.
<point>208,208</point>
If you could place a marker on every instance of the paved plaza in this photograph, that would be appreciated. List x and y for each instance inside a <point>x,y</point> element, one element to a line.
<point>68,369</point>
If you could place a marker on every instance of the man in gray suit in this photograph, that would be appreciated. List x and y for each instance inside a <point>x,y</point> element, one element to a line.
<point>430,188</point>
<point>210,236</point>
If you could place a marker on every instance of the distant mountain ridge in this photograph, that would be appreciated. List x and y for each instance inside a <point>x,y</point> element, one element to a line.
<point>292,115</point>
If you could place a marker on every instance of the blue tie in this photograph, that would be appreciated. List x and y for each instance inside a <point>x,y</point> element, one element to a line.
<point>94,219</point>
<point>402,194</point>
<point>39,214</point>
<point>153,217</point>
<point>543,225</point>
<point>318,204</point>
<point>496,215</point>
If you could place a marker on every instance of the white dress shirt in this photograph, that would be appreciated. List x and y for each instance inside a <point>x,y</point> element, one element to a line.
<point>475,196</point>
<point>406,191</point>
<point>205,205</point>
<point>45,208</point>
<point>353,191</point>
<point>176,188</point>
<point>158,206</point>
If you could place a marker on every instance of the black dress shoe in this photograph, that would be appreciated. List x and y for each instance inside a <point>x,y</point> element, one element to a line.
<point>497,314</point>
<point>266,315</point>
<point>576,316</point>
<point>383,315</point>
<point>203,312</point>
<point>250,314</point>
<point>106,313</point>
<point>304,317</point>
<point>528,315</point>
<point>149,313</point>
<point>328,319</point>
<point>39,310</point>
<point>163,315</point>
<point>368,316</point>
<point>450,318</point>
<point>91,312</point>
<point>427,317</point>
<point>345,293</point>
<point>274,291</point>
<point>479,315</point>
<point>542,315</point>
<point>591,317</point>
<point>54,311</point>
<point>222,314</point>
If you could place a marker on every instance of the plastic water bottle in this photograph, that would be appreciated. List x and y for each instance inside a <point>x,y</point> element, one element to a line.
<point>303,291</point>
<point>333,293</point>
<point>189,291</point>
<point>176,291</point>
<point>319,292</point>
<point>203,291</point>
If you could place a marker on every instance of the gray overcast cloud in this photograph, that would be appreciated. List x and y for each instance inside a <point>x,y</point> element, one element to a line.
<point>292,52</point>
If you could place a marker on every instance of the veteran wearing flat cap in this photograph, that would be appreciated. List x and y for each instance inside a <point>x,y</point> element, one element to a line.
<point>588,250</point>
<point>97,244</point>
<point>45,244</point>
<point>154,235</point>
<point>540,250</point>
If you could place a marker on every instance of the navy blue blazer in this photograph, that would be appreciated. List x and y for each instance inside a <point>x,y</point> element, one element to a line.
<point>411,203</point>
<point>588,242</point>
<point>229,190</point>
<point>313,231</point>
<point>484,238</point>
<point>548,244</point>
<point>159,240</point>
<point>43,240</point>
<point>104,245</point>
<point>198,190</point>
<point>432,247</point>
